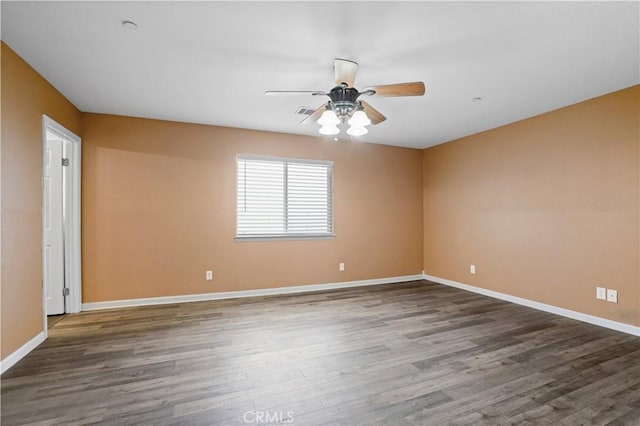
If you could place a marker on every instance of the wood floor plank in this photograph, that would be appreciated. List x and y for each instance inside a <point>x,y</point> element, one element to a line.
<point>403,354</point>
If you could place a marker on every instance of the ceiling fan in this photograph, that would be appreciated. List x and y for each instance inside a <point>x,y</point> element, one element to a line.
<point>345,106</point>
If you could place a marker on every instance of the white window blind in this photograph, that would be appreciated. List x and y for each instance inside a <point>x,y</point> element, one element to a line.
<point>284,198</point>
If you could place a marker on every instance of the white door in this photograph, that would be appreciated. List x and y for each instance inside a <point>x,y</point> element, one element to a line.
<point>53,246</point>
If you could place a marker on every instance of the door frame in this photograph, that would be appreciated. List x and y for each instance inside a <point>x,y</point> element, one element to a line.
<point>71,223</point>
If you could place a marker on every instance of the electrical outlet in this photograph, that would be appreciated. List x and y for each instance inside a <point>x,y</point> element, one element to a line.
<point>341,267</point>
<point>612,296</point>
<point>472,269</point>
<point>208,275</point>
<point>601,293</point>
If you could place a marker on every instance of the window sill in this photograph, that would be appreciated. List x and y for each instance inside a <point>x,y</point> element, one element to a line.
<point>249,238</point>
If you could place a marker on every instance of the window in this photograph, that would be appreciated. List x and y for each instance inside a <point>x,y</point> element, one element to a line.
<point>284,198</point>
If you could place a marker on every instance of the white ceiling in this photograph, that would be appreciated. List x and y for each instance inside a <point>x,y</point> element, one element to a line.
<point>210,62</point>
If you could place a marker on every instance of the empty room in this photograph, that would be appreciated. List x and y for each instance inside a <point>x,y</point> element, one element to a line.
<point>320,213</point>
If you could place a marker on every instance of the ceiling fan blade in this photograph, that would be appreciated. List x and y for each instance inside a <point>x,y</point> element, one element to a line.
<point>315,115</point>
<point>374,115</point>
<point>294,92</point>
<point>401,89</point>
<point>345,71</point>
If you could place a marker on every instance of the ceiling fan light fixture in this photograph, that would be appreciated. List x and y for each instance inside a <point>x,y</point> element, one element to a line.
<point>357,131</point>
<point>359,119</point>
<point>328,118</point>
<point>329,129</point>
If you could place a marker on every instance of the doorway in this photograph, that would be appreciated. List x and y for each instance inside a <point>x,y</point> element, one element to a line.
<point>61,272</point>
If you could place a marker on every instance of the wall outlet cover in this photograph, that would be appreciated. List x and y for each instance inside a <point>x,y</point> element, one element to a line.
<point>612,296</point>
<point>472,269</point>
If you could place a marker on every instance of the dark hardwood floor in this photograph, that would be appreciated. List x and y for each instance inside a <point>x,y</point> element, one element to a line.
<point>401,354</point>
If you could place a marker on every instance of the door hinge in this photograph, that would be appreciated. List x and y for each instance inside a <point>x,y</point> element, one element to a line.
<point>65,161</point>
<point>65,291</point>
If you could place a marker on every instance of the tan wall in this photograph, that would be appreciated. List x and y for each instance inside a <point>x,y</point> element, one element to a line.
<point>25,97</point>
<point>546,208</point>
<point>159,209</point>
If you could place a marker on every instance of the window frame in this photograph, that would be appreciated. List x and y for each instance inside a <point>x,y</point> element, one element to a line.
<point>286,236</point>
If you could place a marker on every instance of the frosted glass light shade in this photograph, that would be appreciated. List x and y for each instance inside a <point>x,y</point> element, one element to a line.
<point>328,118</point>
<point>329,130</point>
<point>357,130</point>
<point>359,119</point>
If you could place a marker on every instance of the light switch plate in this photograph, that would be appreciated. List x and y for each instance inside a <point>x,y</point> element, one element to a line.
<point>472,269</point>
<point>601,293</point>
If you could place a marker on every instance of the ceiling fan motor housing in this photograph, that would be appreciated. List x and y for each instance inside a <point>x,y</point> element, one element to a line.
<point>343,101</point>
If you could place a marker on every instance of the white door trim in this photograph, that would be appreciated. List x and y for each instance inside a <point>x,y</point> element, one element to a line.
<point>72,174</point>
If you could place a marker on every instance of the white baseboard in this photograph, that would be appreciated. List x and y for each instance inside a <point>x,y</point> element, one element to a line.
<point>21,352</point>
<point>591,319</point>
<point>244,293</point>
